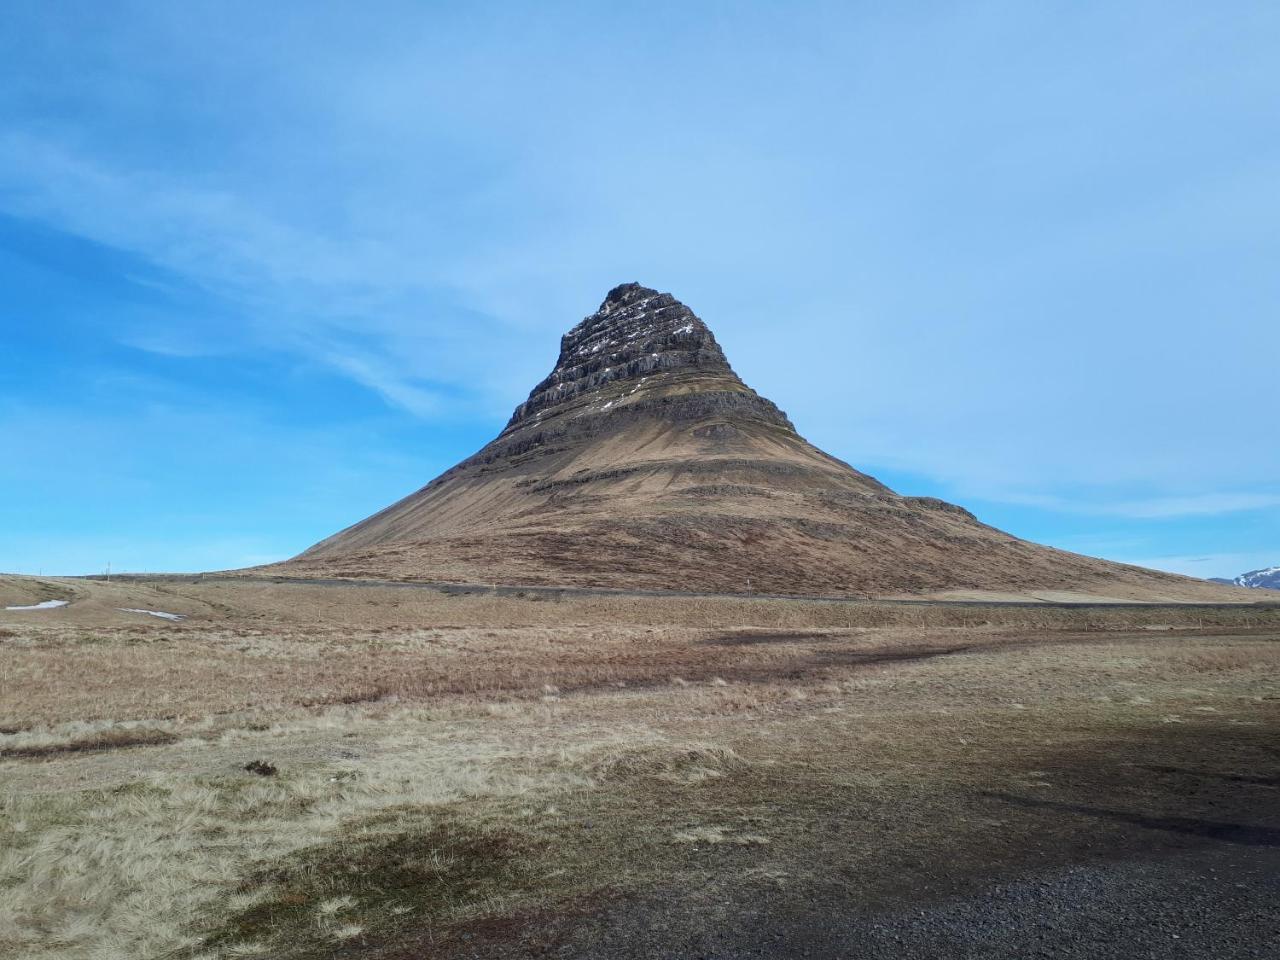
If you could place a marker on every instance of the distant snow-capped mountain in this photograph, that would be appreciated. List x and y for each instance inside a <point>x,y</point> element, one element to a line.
<point>1268,579</point>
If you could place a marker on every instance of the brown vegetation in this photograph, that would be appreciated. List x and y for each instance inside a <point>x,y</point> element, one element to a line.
<point>453,772</point>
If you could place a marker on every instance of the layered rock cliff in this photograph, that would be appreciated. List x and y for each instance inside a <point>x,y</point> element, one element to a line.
<point>642,354</point>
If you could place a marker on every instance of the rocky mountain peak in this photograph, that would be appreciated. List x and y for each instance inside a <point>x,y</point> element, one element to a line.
<point>633,318</point>
<point>638,338</point>
<point>624,292</point>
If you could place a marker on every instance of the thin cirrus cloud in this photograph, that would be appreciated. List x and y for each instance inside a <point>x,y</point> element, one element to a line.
<point>1224,565</point>
<point>1154,508</point>
<point>392,386</point>
<point>337,302</point>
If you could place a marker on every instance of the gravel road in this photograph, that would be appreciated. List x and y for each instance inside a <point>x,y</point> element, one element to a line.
<point>1218,902</point>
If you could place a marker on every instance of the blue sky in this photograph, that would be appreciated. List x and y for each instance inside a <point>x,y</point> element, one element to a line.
<point>268,267</point>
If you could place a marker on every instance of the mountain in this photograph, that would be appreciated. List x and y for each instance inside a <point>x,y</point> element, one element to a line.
<point>1266,579</point>
<point>644,462</point>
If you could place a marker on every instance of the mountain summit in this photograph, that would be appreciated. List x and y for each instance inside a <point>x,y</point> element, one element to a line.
<point>643,461</point>
<point>643,354</point>
<point>636,336</point>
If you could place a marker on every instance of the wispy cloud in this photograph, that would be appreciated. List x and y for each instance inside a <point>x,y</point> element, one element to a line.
<point>392,386</point>
<point>1150,508</point>
<point>296,290</point>
<point>168,345</point>
<point>1224,565</point>
<point>208,234</point>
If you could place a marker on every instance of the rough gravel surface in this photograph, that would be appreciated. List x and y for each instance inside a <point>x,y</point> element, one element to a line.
<point>1220,902</point>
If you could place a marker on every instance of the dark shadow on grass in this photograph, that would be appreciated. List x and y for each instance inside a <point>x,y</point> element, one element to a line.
<point>1229,777</point>
<point>107,741</point>
<point>839,657</point>
<point>750,639</point>
<point>861,658</point>
<point>397,885</point>
<point>1241,833</point>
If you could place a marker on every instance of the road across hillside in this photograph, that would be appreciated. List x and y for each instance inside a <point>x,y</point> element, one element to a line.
<point>551,593</point>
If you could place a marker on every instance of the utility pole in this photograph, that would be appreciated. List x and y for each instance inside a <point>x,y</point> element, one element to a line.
<point>108,571</point>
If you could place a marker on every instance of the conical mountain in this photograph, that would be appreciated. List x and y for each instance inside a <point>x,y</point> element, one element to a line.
<point>644,462</point>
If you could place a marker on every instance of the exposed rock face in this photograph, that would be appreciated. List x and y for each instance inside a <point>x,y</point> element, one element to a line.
<point>636,334</point>
<point>643,461</point>
<point>643,353</point>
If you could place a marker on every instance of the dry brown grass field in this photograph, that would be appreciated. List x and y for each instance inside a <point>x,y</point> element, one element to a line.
<point>315,771</point>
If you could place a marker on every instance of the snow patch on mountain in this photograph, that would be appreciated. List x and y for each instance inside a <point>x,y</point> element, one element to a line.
<point>1266,579</point>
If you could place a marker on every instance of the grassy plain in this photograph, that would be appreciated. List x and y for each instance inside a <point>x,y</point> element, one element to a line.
<point>461,774</point>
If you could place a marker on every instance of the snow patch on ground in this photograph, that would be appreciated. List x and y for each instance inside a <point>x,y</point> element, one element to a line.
<point>44,605</point>
<point>154,613</point>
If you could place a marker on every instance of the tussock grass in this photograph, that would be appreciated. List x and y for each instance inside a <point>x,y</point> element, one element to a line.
<point>299,858</point>
<point>713,834</point>
<point>671,763</point>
